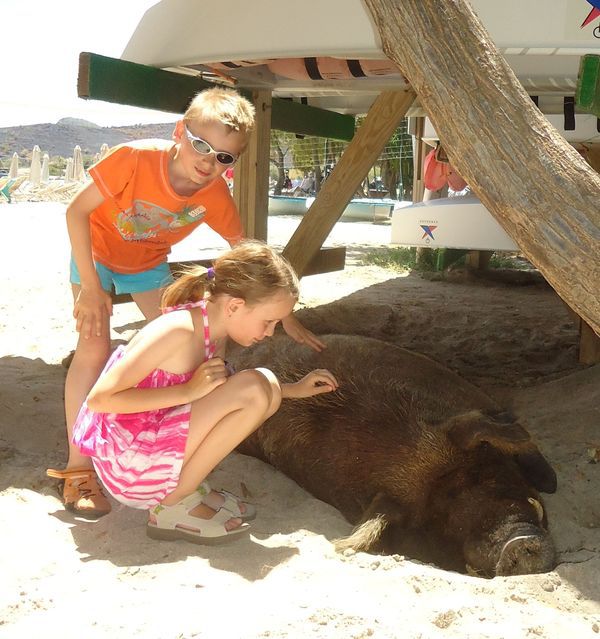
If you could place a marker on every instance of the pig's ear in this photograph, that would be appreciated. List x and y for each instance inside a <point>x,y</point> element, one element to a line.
<point>468,430</point>
<point>471,429</point>
<point>537,470</point>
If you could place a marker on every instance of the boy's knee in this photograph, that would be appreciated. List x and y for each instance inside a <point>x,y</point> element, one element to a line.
<point>92,353</point>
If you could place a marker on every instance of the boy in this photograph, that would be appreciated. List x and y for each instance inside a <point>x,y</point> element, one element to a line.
<point>145,197</point>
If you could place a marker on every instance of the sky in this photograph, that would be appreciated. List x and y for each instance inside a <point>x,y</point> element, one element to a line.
<point>39,50</point>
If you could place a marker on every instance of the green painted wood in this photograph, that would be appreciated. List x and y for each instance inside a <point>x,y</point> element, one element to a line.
<point>587,95</point>
<point>307,120</point>
<point>113,80</point>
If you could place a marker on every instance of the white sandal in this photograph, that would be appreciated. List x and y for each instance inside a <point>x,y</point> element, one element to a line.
<point>232,502</point>
<point>169,519</point>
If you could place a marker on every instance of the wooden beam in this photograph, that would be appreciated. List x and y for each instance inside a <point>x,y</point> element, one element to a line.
<point>294,117</point>
<point>113,80</point>
<point>419,161</point>
<point>251,181</point>
<point>532,181</point>
<point>325,261</point>
<point>122,82</point>
<point>589,344</point>
<point>360,155</point>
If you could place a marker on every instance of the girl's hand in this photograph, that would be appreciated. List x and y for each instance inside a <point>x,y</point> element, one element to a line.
<point>315,383</point>
<point>92,308</point>
<point>206,378</point>
<point>300,334</point>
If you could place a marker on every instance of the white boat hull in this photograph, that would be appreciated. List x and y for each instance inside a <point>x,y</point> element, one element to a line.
<point>360,209</point>
<point>458,222</point>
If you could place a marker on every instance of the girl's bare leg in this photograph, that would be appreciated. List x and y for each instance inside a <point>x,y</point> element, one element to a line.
<point>218,423</point>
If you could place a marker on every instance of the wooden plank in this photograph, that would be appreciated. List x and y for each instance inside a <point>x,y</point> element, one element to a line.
<point>360,155</point>
<point>325,261</point>
<point>589,344</point>
<point>295,117</point>
<point>419,161</point>
<point>113,80</point>
<point>478,259</point>
<point>251,182</point>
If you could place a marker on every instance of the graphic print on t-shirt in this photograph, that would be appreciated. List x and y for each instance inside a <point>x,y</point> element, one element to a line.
<point>144,220</point>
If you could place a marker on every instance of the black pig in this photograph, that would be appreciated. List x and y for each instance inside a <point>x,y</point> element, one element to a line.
<point>423,462</point>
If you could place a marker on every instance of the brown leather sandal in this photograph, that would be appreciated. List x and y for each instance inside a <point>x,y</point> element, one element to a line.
<point>82,493</point>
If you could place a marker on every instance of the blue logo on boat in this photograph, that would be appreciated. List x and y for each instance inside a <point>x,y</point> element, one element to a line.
<point>429,229</point>
<point>593,14</point>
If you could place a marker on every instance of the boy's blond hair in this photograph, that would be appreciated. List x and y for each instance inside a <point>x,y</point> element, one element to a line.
<point>222,105</point>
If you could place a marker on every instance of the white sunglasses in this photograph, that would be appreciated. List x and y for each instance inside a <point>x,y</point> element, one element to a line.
<point>204,148</point>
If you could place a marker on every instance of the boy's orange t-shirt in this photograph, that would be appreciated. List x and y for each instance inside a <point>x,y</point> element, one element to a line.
<point>142,216</point>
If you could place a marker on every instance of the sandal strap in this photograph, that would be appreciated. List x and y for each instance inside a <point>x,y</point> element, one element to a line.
<point>232,503</point>
<point>172,516</point>
<point>71,473</point>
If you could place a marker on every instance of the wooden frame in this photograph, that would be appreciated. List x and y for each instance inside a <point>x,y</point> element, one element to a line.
<point>366,146</point>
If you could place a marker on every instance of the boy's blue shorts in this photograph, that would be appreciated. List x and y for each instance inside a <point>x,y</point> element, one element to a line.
<point>157,277</point>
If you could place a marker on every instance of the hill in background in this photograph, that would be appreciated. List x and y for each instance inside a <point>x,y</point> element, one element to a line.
<point>59,139</point>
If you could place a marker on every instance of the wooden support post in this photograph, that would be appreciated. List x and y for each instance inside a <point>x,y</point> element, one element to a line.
<point>589,344</point>
<point>383,117</point>
<point>478,260</point>
<point>251,180</point>
<point>419,161</point>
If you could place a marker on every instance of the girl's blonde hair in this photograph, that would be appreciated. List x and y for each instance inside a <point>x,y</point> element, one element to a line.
<point>221,105</point>
<point>251,271</point>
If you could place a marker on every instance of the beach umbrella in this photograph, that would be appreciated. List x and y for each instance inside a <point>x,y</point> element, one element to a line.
<point>14,166</point>
<point>103,151</point>
<point>35,170</point>
<point>78,170</point>
<point>45,168</point>
<point>69,170</point>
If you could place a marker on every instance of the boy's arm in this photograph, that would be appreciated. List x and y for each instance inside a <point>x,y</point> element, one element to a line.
<point>93,303</point>
<point>293,327</point>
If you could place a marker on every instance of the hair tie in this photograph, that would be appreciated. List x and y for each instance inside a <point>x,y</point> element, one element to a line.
<point>210,273</point>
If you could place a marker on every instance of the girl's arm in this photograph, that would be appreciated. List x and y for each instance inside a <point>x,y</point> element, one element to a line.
<point>92,303</point>
<point>315,383</point>
<point>158,343</point>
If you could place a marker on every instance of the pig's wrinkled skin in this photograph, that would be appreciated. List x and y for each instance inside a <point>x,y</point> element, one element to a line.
<point>420,460</point>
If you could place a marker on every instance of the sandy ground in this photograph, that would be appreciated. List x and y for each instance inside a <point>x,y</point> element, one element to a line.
<point>70,578</point>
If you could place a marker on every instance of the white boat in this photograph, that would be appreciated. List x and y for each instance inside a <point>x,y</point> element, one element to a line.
<point>542,41</point>
<point>287,205</point>
<point>361,209</point>
<point>453,222</point>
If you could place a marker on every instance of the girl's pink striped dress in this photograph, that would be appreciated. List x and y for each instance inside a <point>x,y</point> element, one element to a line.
<point>138,456</point>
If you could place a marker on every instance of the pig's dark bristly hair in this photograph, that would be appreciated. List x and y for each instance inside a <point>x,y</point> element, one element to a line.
<point>251,271</point>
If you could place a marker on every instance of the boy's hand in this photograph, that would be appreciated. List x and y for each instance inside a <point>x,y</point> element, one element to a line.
<point>300,334</point>
<point>315,383</point>
<point>206,378</point>
<point>92,307</point>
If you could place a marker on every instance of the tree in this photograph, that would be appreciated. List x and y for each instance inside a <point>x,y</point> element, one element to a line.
<point>531,180</point>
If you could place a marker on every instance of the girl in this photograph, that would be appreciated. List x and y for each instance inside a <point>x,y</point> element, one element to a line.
<point>166,409</point>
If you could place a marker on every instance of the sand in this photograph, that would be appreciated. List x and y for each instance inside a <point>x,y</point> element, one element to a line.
<point>67,578</point>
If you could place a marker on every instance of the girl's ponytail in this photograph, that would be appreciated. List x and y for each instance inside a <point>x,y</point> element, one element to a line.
<point>191,285</point>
